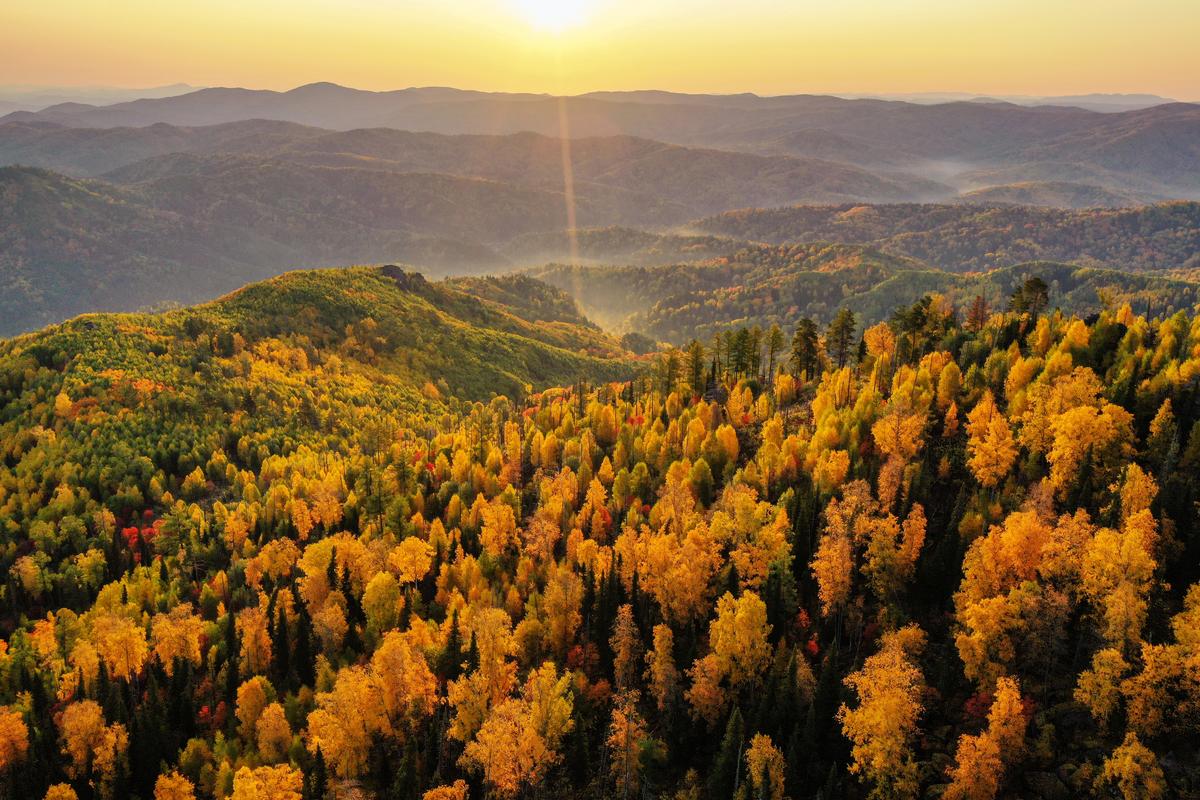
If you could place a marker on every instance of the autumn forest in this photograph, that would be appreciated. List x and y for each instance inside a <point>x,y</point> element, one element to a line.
<point>599,400</point>
<point>255,552</point>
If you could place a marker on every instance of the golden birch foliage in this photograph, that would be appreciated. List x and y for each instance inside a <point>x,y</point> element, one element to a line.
<point>990,442</point>
<point>268,783</point>
<point>1099,688</point>
<point>1133,769</point>
<point>454,791</point>
<point>121,643</point>
<point>739,637</point>
<point>706,697</point>
<point>831,469</point>
<point>832,567</point>
<point>329,623</point>
<point>1006,719</point>
<point>273,734</point>
<point>14,738</point>
<point>1149,695</point>
<point>913,538</point>
<point>92,747</point>
<point>471,697</point>
<point>661,673</point>
<point>1138,491</point>
<point>499,531</point>
<point>406,685</point>
<point>626,730</point>
<point>1117,573</point>
<point>173,786</point>
<point>177,634</point>
<point>411,559</point>
<point>255,639</point>
<point>61,791</point>
<point>678,572</point>
<point>898,434</point>
<point>550,704</point>
<point>562,602</point>
<point>507,751</point>
<point>382,602</point>
<point>252,698</point>
<point>626,643</point>
<point>765,767</point>
<point>757,532</point>
<point>949,384</point>
<point>1086,432</point>
<point>881,728</point>
<point>344,723</point>
<point>977,769</point>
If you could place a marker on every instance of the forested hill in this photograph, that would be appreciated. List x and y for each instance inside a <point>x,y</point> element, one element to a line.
<point>257,549</point>
<point>413,340</point>
<point>963,238</point>
<point>765,285</point>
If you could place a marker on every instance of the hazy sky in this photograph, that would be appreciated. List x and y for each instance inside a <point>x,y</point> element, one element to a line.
<point>764,46</point>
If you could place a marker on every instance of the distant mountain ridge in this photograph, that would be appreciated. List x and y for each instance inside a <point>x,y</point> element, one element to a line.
<point>980,134</point>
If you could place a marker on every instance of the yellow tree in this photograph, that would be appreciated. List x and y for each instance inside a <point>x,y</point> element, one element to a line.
<point>766,767</point>
<point>562,603</point>
<point>345,722</point>
<point>1117,572</point>
<point>1099,688</point>
<point>1100,436</point>
<point>252,697</point>
<point>407,687</point>
<point>626,643</point>
<point>981,760</point>
<point>881,728</point>
<point>1134,770</point>
<point>453,791</point>
<point>382,602</point>
<point>177,635</point>
<point>61,791</point>
<point>273,734</point>
<point>499,532</point>
<point>121,642</point>
<point>14,738</point>
<point>626,730</point>
<point>833,568</point>
<point>173,786</point>
<point>519,740</point>
<point>661,672</point>
<point>990,442</point>
<point>256,641</point>
<point>268,783</point>
<point>93,749</point>
<point>739,637</point>
<point>508,753</point>
<point>411,559</point>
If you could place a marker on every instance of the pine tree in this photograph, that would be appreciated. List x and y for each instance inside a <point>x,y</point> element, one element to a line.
<point>726,767</point>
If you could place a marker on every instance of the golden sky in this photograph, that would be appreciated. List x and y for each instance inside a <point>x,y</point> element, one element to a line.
<point>764,46</point>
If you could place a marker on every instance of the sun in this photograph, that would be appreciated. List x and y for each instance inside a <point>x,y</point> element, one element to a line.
<point>554,16</point>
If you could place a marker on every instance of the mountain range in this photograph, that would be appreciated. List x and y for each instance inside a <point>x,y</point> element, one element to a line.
<point>178,199</point>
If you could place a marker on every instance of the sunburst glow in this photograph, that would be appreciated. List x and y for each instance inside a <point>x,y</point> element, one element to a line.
<point>554,16</point>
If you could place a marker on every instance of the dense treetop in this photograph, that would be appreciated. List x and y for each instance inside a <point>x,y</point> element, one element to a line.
<point>255,549</point>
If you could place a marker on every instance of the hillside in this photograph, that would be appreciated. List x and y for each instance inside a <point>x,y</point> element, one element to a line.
<point>69,246</point>
<point>1055,194</point>
<point>766,285</point>
<point>381,326</point>
<point>962,238</point>
<point>274,545</point>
